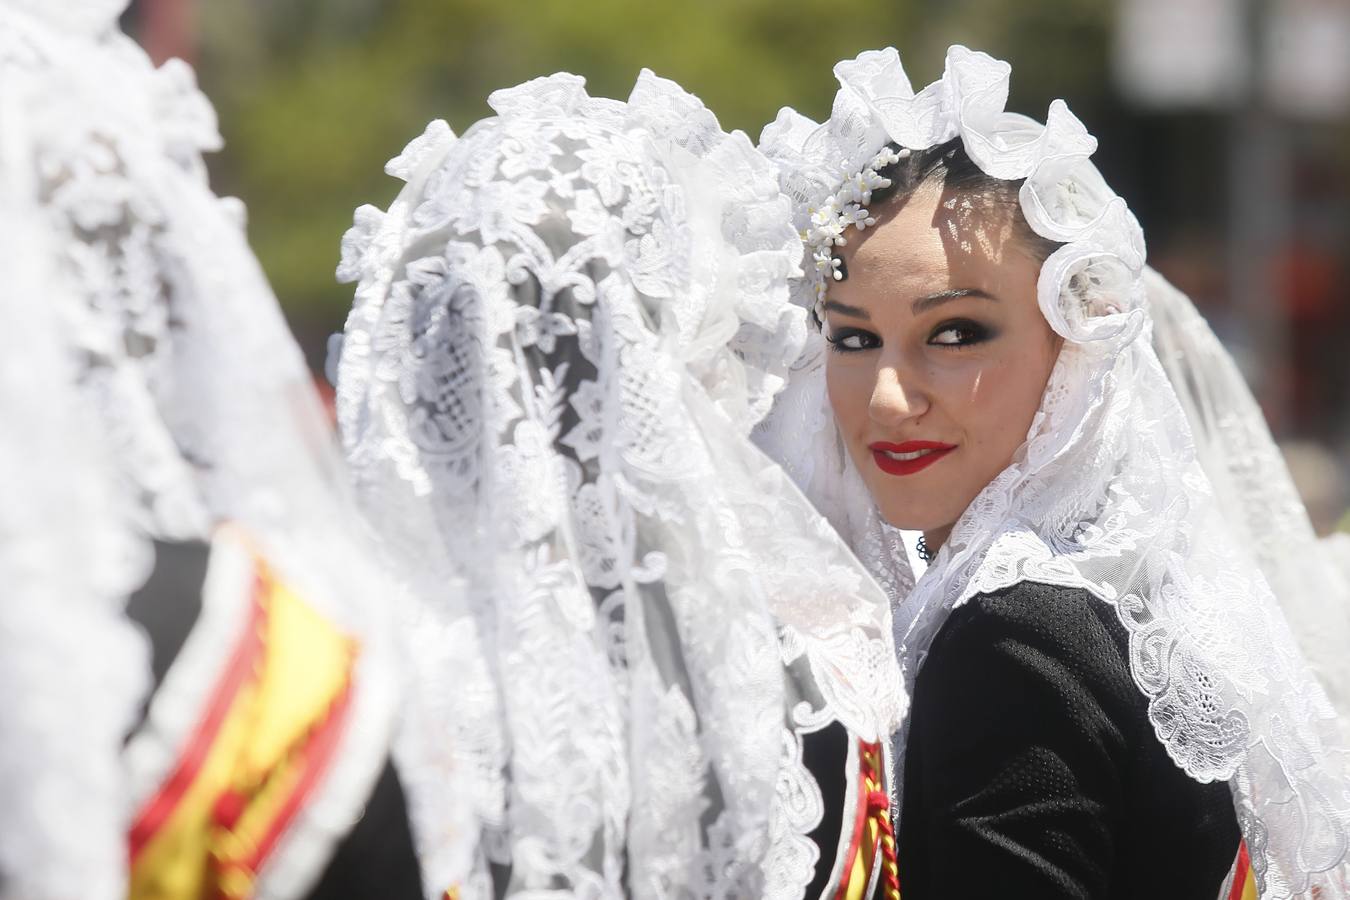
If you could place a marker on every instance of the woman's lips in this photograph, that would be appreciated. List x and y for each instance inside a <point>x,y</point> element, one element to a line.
<point>909,457</point>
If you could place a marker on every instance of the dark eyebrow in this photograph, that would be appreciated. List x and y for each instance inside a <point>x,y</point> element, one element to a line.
<point>923,304</point>
<point>845,310</point>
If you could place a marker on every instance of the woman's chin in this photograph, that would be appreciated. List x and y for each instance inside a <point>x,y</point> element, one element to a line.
<point>905,520</point>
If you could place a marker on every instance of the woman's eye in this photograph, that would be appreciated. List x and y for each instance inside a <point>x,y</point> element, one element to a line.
<point>959,334</point>
<point>848,340</point>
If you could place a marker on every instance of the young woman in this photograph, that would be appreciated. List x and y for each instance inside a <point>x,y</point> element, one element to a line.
<point>565,326</point>
<point>1107,701</point>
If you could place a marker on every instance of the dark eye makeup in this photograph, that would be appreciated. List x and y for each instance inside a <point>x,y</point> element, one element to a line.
<point>953,334</point>
<point>960,333</point>
<point>851,340</point>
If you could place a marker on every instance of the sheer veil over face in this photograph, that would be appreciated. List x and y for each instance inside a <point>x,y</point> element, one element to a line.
<point>565,327</point>
<point>936,337</point>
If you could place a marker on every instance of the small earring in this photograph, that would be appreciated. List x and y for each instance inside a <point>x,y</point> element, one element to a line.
<point>922,547</point>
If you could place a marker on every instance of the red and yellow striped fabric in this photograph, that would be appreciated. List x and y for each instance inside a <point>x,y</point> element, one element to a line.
<point>873,835</point>
<point>264,738</point>
<point>1244,879</point>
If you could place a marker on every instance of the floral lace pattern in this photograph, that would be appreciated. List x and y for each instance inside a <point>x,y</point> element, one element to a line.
<point>564,328</point>
<point>1106,494</point>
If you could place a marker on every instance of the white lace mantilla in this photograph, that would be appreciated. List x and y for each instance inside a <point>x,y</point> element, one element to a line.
<point>565,326</point>
<point>1106,494</point>
<point>1254,488</point>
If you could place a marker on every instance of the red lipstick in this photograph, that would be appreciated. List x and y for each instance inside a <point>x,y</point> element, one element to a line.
<point>915,455</point>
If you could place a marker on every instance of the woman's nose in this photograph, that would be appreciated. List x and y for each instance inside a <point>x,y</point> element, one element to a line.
<point>896,397</point>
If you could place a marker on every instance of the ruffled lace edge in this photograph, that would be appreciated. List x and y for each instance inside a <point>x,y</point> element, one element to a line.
<point>1063,197</point>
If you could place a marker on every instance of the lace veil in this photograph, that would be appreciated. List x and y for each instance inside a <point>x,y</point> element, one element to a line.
<point>564,328</point>
<point>151,390</point>
<point>1254,488</point>
<point>1107,493</point>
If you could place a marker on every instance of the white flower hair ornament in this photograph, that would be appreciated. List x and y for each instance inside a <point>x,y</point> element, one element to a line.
<point>845,207</point>
<point>1089,289</point>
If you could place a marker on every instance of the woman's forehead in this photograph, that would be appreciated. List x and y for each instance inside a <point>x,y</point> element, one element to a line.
<point>931,235</point>
<point>899,265</point>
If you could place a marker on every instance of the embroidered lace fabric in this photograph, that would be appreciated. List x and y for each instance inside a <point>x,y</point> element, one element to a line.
<point>1107,493</point>
<point>1254,488</point>
<point>155,393</point>
<point>564,328</point>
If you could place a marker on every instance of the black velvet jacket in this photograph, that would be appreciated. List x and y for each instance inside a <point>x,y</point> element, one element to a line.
<point>1032,769</point>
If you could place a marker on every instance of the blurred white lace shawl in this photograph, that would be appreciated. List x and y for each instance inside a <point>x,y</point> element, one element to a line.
<point>1106,494</point>
<point>564,328</point>
<point>151,390</point>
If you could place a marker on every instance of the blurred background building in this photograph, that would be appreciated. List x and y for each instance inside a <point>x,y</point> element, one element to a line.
<point>1224,123</point>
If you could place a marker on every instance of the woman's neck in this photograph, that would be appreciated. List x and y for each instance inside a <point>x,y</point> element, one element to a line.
<point>934,538</point>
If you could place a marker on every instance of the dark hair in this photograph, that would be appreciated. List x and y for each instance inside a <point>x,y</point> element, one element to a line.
<point>950,166</point>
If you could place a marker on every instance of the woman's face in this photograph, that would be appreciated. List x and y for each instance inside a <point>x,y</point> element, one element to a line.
<point>939,354</point>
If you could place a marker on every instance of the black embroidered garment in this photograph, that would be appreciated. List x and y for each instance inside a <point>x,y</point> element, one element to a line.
<point>1031,768</point>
